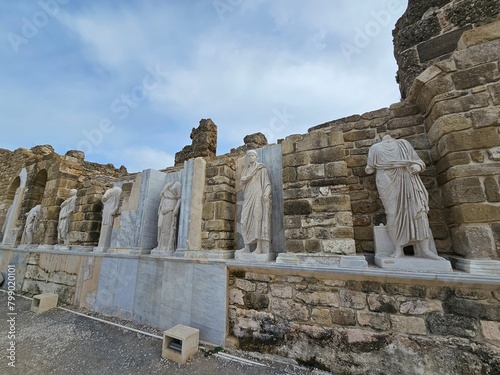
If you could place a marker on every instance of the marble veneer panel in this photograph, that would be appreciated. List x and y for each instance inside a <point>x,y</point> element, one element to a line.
<point>116,289</point>
<point>163,293</point>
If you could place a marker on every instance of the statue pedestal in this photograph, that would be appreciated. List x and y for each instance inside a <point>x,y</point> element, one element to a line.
<point>483,267</point>
<point>384,248</point>
<point>62,247</point>
<point>413,264</point>
<point>252,257</point>
<point>128,250</point>
<point>323,260</point>
<point>162,253</point>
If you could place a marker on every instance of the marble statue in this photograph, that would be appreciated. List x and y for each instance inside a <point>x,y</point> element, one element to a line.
<point>31,224</point>
<point>67,208</point>
<point>256,210</point>
<point>7,219</point>
<point>111,202</point>
<point>403,195</point>
<point>168,212</point>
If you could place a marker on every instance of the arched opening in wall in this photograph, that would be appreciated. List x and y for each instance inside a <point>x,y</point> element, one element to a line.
<point>38,188</point>
<point>9,199</point>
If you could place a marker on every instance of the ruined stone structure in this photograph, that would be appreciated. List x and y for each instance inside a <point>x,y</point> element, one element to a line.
<point>429,31</point>
<point>204,142</point>
<point>322,302</point>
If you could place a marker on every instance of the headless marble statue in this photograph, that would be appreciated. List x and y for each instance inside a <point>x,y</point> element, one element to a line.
<point>67,208</point>
<point>168,212</point>
<point>256,211</point>
<point>403,195</point>
<point>31,224</point>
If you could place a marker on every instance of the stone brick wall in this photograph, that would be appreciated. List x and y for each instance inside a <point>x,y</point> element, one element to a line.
<point>367,325</point>
<point>429,31</point>
<point>359,133</point>
<point>50,177</point>
<point>219,205</point>
<point>317,206</point>
<point>460,100</point>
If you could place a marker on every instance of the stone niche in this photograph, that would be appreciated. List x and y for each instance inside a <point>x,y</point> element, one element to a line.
<point>271,157</point>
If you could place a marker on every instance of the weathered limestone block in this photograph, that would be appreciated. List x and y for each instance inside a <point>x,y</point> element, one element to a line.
<point>420,307</point>
<point>448,124</point>
<point>476,213</point>
<point>486,310</point>
<point>352,299</point>
<point>463,190</point>
<point>311,172</point>
<point>345,317</point>
<point>474,241</point>
<point>236,297</point>
<point>246,285</point>
<point>468,140</point>
<point>319,298</point>
<point>290,310</point>
<point>459,104</point>
<point>476,76</point>
<point>359,135</point>
<point>484,117</point>
<point>452,325</point>
<point>321,316</point>
<point>378,321</point>
<point>382,303</point>
<point>492,189</point>
<point>314,140</point>
<point>490,330</point>
<point>408,324</point>
<point>281,291</point>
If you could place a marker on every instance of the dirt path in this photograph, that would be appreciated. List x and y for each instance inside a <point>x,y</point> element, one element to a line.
<point>60,342</point>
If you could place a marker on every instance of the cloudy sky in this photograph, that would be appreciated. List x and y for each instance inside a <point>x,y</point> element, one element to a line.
<point>126,81</point>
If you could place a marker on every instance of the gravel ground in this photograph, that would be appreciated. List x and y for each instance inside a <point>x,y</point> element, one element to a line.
<point>60,342</point>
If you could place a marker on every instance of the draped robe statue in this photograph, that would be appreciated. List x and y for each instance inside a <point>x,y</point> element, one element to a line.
<point>111,201</point>
<point>256,210</point>
<point>67,208</point>
<point>30,226</point>
<point>403,195</point>
<point>168,212</point>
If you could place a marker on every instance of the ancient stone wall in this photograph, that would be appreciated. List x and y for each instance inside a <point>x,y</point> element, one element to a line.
<point>460,100</point>
<point>50,177</point>
<point>317,205</point>
<point>429,31</point>
<point>204,143</point>
<point>349,324</point>
<point>219,205</point>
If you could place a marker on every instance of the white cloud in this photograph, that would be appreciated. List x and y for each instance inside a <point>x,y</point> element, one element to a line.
<point>262,58</point>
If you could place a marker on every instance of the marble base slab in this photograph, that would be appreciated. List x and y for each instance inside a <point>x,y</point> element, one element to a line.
<point>100,249</point>
<point>62,247</point>
<point>322,260</point>
<point>252,257</point>
<point>43,247</point>
<point>413,264</point>
<point>128,250</point>
<point>82,249</point>
<point>209,254</point>
<point>30,247</point>
<point>162,253</point>
<point>486,267</point>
